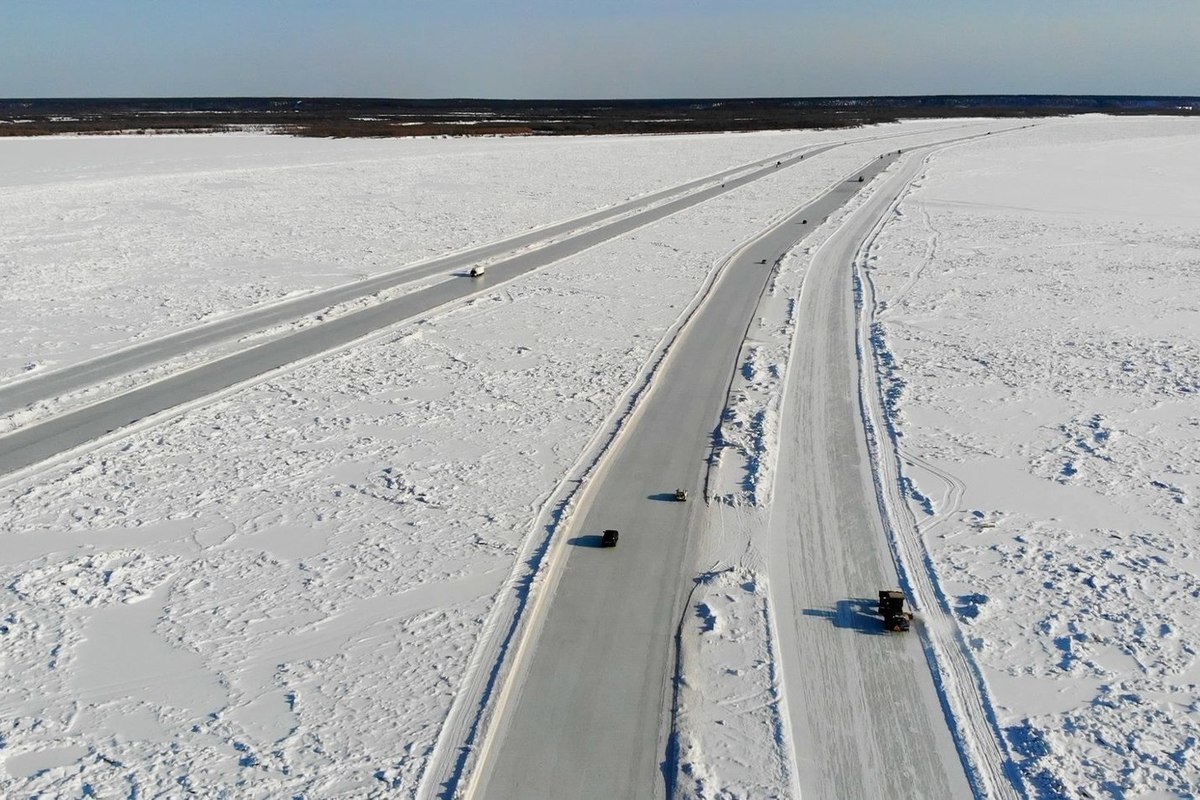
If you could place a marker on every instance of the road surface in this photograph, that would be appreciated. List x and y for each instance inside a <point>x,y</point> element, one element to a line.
<point>865,718</point>
<point>588,720</point>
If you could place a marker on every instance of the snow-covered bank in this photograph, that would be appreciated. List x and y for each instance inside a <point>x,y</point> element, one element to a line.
<point>281,593</point>
<point>1037,299</point>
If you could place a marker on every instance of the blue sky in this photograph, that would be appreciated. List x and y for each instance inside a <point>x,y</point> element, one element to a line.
<point>599,49</point>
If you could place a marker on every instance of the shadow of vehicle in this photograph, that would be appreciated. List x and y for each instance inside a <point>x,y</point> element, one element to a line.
<point>854,614</point>
<point>586,540</point>
<point>668,497</point>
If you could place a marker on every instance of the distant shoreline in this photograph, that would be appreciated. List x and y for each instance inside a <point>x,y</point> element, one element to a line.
<point>381,118</point>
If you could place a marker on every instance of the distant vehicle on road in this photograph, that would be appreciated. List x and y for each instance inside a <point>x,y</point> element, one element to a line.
<point>477,271</point>
<point>609,538</point>
<point>681,495</point>
<point>891,608</point>
<point>860,178</point>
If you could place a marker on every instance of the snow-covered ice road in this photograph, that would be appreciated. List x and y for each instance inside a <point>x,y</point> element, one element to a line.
<point>324,546</point>
<point>864,715</point>
<point>51,385</point>
<point>586,712</point>
<point>599,675</point>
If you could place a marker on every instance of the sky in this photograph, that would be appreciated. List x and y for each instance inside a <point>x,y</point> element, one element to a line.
<point>597,49</point>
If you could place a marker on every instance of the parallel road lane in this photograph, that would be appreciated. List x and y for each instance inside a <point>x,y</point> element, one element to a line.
<point>24,393</point>
<point>35,443</point>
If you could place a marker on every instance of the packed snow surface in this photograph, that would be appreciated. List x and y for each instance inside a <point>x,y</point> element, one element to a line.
<point>280,593</point>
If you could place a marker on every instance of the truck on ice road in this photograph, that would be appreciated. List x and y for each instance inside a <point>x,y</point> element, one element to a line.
<point>891,608</point>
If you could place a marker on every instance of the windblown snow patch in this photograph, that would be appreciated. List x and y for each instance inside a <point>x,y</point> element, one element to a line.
<point>731,736</point>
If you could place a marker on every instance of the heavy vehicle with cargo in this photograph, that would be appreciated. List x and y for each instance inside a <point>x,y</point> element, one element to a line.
<point>891,608</point>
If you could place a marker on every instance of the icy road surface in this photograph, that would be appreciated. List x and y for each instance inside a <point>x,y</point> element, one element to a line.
<point>597,688</point>
<point>863,711</point>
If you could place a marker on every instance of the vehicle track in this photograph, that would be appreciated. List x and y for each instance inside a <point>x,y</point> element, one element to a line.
<point>952,490</point>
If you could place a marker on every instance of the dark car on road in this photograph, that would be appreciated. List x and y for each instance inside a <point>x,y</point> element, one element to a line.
<point>609,539</point>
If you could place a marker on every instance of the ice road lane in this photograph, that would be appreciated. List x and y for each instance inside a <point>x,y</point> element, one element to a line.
<point>51,385</point>
<point>865,718</point>
<point>588,720</point>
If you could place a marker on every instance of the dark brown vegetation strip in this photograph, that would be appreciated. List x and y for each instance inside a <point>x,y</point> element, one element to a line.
<point>343,117</point>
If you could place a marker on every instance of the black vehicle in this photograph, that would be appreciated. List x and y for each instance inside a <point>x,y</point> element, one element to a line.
<point>609,539</point>
<point>891,608</point>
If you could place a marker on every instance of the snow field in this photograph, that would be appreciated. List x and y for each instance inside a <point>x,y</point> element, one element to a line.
<point>282,592</point>
<point>1036,307</point>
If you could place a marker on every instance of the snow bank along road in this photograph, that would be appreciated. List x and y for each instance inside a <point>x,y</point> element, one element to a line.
<point>38,442</point>
<point>593,692</point>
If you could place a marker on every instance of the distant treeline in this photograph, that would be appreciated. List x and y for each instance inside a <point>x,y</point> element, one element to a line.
<point>318,116</point>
